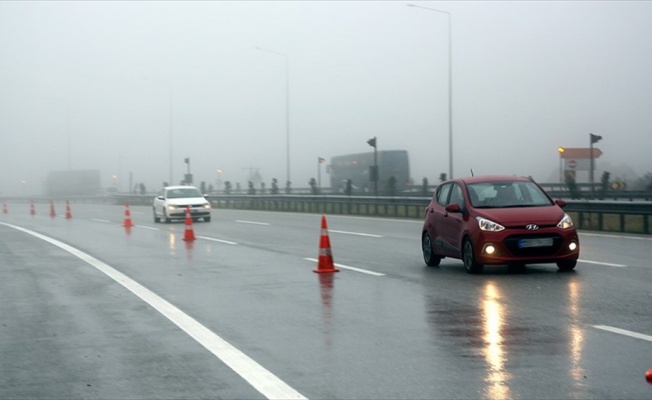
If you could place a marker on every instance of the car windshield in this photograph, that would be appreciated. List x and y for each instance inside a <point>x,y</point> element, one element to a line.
<point>507,194</point>
<point>183,193</point>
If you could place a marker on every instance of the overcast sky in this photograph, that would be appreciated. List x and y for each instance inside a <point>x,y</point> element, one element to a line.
<point>96,85</point>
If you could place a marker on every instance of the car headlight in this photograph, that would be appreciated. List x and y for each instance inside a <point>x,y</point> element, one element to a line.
<point>172,207</point>
<point>487,225</point>
<point>207,205</point>
<point>566,222</point>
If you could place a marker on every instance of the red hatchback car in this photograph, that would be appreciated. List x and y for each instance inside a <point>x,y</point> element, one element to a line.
<point>498,220</point>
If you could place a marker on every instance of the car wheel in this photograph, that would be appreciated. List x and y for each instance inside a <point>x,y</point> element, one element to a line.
<point>156,219</point>
<point>468,257</point>
<point>165,217</point>
<point>566,265</point>
<point>429,256</point>
<point>207,219</point>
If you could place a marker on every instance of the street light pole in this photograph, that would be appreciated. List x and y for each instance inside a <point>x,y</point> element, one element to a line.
<point>561,151</point>
<point>287,107</point>
<point>593,139</point>
<point>450,85</point>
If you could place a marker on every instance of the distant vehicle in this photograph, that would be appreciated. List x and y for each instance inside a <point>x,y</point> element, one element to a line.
<point>357,167</point>
<point>497,220</point>
<point>171,202</point>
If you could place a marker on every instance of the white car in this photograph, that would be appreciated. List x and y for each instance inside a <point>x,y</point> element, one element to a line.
<point>171,202</point>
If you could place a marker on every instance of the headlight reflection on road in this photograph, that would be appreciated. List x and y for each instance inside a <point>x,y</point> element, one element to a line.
<point>576,342</point>
<point>494,353</point>
<point>172,242</point>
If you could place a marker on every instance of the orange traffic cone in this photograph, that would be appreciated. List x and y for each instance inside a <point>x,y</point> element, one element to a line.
<point>32,211</point>
<point>68,213</point>
<point>4,208</point>
<point>325,262</point>
<point>188,234</point>
<point>52,212</point>
<point>127,223</point>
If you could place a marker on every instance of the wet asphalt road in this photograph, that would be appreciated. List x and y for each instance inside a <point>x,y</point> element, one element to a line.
<point>238,313</point>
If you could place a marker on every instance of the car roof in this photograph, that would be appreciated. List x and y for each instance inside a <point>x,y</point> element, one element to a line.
<point>179,187</point>
<point>493,178</point>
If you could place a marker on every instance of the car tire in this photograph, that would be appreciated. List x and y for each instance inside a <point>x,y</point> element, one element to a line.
<point>568,265</point>
<point>165,217</point>
<point>429,256</point>
<point>207,219</point>
<point>468,257</point>
<point>156,219</point>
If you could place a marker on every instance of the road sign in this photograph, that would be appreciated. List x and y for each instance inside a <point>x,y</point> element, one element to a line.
<point>578,164</point>
<point>580,153</point>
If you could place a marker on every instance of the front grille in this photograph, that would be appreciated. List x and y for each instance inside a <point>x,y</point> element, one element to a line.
<point>511,242</point>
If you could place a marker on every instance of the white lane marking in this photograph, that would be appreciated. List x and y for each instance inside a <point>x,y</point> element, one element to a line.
<point>215,240</point>
<point>147,227</point>
<point>364,271</point>
<point>356,233</point>
<point>100,220</point>
<point>603,263</point>
<point>615,236</point>
<point>624,332</point>
<point>268,384</point>
<point>251,222</point>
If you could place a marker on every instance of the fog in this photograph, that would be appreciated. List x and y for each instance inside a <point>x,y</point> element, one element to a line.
<point>121,86</point>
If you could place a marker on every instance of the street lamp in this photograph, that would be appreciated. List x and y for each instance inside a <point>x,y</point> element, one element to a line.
<point>593,139</point>
<point>287,107</point>
<point>561,151</point>
<point>450,85</point>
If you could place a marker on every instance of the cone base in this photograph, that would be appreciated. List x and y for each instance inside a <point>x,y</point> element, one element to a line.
<point>321,271</point>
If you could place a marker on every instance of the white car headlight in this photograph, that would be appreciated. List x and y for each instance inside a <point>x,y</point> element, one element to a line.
<point>487,225</point>
<point>207,205</point>
<point>566,222</point>
<point>172,207</point>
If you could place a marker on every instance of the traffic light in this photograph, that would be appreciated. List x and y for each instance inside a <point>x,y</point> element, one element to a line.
<point>595,138</point>
<point>372,142</point>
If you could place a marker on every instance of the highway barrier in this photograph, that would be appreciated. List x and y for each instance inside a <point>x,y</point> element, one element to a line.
<point>598,215</point>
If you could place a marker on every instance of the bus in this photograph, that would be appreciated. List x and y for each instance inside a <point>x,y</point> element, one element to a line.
<point>357,168</point>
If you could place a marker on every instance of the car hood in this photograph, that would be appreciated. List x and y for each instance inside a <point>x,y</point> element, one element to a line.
<point>515,216</point>
<point>187,201</point>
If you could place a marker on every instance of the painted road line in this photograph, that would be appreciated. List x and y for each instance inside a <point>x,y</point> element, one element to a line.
<point>268,384</point>
<point>603,263</point>
<point>251,222</point>
<point>615,236</point>
<point>215,240</point>
<point>147,227</point>
<point>100,220</point>
<point>356,233</point>
<point>364,271</point>
<point>624,332</point>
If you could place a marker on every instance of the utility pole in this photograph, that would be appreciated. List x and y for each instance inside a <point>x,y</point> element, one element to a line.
<point>593,139</point>
<point>374,171</point>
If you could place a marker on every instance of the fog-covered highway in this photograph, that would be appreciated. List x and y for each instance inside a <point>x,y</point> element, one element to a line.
<point>93,310</point>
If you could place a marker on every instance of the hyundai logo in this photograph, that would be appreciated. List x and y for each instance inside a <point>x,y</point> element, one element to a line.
<point>531,227</point>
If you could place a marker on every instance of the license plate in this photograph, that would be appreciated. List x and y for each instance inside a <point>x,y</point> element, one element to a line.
<point>542,242</point>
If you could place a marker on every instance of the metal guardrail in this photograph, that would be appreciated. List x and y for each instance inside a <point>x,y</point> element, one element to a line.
<point>632,217</point>
<point>613,216</point>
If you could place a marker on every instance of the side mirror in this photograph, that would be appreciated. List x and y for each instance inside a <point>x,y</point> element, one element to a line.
<point>160,197</point>
<point>454,207</point>
<point>561,203</point>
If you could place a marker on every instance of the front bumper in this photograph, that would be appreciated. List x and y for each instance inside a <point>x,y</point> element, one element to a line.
<point>521,246</point>
<point>198,211</point>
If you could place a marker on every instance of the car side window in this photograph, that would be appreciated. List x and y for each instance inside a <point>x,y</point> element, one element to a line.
<point>456,196</point>
<point>442,194</point>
